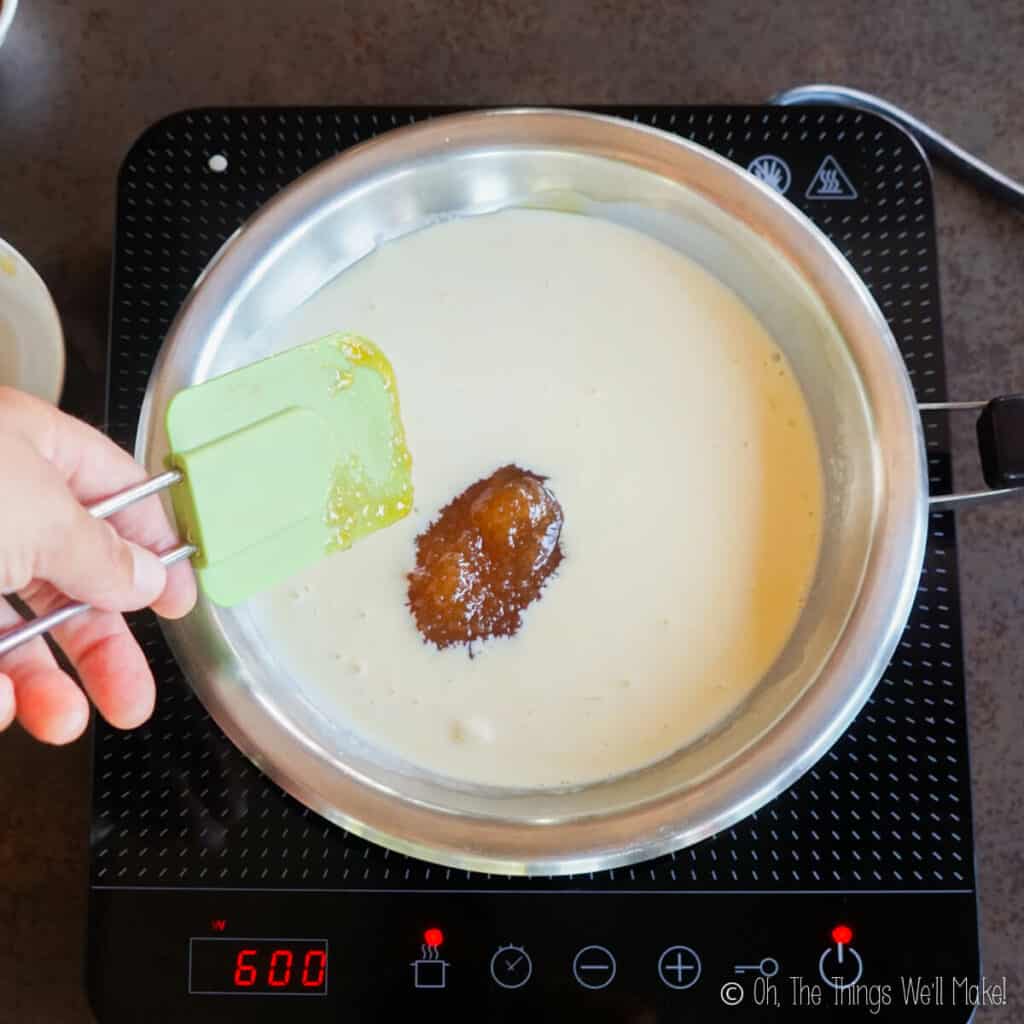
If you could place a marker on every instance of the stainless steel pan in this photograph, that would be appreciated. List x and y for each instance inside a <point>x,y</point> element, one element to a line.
<point>840,348</point>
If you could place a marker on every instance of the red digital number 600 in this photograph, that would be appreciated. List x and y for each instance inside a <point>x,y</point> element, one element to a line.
<point>279,974</point>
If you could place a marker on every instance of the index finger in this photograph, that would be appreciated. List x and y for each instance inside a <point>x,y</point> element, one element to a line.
<point>94,468</point>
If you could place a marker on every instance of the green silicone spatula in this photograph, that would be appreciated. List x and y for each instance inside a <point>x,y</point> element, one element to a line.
<point>286,460</point>
<point>275,465</point>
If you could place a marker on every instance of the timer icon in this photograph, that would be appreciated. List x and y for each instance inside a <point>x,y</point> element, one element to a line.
<point>840,966</point>
<point>511,966</point>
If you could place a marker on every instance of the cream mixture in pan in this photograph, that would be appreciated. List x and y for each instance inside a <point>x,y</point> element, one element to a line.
<point>671,430</point>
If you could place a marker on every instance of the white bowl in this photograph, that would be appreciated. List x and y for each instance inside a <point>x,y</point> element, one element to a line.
<point>31,339</point>
<point>7,9</point>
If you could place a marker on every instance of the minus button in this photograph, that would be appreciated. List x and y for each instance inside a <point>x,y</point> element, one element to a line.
<point>594,967</point>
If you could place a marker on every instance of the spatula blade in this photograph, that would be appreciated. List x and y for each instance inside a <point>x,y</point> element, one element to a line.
<point>286,460</point>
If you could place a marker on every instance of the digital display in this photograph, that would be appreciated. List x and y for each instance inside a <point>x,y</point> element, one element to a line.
<point>291,967</point>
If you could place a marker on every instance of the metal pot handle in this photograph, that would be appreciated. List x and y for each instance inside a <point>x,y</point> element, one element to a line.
<point>1000,445</point>
<point>1001,423</point>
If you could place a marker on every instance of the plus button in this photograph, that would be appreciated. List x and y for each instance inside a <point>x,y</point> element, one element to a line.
<point>679,967</point>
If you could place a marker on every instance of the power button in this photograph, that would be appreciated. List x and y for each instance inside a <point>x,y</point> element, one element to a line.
<point>840,965</point>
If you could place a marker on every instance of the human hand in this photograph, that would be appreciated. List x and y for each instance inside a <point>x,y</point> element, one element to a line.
<point>51,549</point>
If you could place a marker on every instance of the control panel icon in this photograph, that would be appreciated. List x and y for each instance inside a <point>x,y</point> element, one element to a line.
<point>840,965</point>
<point>594,967</point>
<point>679,967</point>
<point>772,170</point>
<point>511,966</point>
<point>767,967</point>
<point>430,971</point>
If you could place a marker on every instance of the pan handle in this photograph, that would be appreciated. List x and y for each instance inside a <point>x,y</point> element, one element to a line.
<point>1000,430</point>
<point>1001,423</point>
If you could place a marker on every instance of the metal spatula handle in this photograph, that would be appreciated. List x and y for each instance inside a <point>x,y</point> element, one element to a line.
<point>100,510</point>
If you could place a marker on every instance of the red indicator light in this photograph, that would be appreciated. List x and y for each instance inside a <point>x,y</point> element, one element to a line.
<point>842,934</point>
<point>433,936</point>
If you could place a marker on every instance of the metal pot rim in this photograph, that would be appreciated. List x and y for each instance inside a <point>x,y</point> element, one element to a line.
<point>811,725</point>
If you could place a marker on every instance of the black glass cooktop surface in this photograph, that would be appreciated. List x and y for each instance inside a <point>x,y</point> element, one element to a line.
<point>215,896</point>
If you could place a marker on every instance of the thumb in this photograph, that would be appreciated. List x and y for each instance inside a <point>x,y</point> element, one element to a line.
<point>7,703</point>
<point>89,561</point>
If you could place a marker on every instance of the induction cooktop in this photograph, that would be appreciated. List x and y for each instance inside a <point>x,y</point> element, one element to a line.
<point>214,896</point>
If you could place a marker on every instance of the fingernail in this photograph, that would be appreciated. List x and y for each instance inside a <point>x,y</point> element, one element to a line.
<point>149,574</point>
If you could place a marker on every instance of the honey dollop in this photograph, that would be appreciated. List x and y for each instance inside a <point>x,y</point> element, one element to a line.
<point>485,558</point>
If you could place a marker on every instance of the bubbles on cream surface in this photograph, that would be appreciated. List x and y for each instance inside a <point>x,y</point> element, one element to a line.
<point>667,422</point>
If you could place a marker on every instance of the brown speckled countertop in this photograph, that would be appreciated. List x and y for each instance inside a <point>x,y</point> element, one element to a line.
<point>80,79</point>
